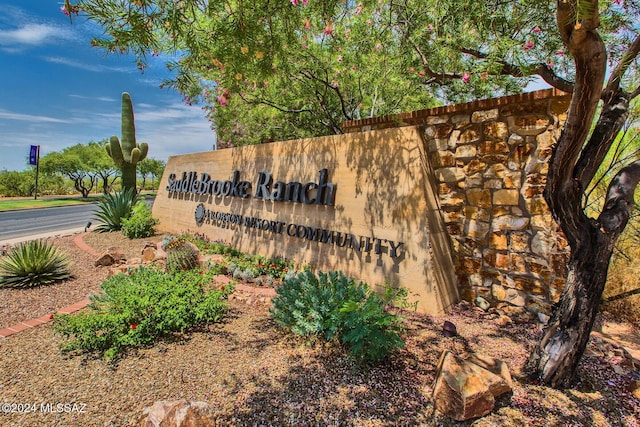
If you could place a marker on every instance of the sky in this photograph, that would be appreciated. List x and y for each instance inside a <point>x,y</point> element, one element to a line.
<point>57,91</point>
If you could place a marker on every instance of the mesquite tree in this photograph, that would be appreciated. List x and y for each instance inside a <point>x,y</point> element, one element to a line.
<point>339,60</point>
<point>578,154</point>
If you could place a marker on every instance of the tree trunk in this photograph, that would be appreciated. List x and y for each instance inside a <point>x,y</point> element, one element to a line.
<point>555,359</point>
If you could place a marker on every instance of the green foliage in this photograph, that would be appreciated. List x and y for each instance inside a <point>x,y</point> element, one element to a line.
<point>207,246</point>
<point>332,306</point>
<point>114,208</point>
<point>141,223</point>
<point>83,164</point>
<point>127,153</point>
<point>33,263</point>
<point>16,184</point>
<point>138,308</point>
<point>244,266</point>
<point>153,167</point>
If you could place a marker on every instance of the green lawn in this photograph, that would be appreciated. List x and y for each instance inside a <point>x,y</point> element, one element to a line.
<point>30,203</point>
<point>15,203</point>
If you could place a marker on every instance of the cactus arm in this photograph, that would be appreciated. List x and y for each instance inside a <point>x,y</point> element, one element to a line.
<point>135,156</point>
<point>115,150</point>
<point>144,149</point>
<point>128,127</point>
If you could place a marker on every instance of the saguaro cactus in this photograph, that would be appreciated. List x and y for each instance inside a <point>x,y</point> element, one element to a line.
<point>127,153</point>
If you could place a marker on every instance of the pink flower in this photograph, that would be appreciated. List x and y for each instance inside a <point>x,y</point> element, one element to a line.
<point>305,1</point>
<point>422,74</point>
<point>64,10</point>
<point>339,58</point>
<point>307,24</point>
<point>359,9</point>
<point>536,30</point>
<point>222,100</point>
<point>618,2</point>
<point>294,2</point>
<point>378,46</point>
<point>528,45</point>
<point>411,70</point>
<point>560,52</point>
<point>335,84</point>
<point>328,30</point>
<point>465,77</point>
<point>369,22</point>
<point>430,27</point>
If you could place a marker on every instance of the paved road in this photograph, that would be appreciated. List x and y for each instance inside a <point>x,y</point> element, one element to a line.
<point>30,222</point>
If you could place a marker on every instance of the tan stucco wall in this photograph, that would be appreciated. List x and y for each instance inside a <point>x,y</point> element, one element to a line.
<point>383,190</point>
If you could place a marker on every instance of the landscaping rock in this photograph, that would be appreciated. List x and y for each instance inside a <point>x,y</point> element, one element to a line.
<point>113,255</point>
<point>466,389</point>
<point>178,413</point>
<point>150,254</point>
<point>482,303</point>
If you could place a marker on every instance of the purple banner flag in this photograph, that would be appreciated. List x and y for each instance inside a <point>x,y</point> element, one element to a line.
<point>33,154</point>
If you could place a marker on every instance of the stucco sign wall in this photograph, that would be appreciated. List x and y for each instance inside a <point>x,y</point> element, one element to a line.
<point>361,203</point>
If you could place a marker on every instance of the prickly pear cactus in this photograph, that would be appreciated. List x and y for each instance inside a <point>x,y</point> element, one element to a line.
<point>126,153</point>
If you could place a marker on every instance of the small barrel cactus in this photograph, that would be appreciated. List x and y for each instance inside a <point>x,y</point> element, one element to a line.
<point>181,255</point>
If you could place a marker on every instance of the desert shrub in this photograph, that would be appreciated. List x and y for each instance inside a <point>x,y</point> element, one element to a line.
<point>141,223</point>
<point>332,306</point>
<point>206,246</point>
<point>136,309</point>
<point>33,263</point>
<point>114,208</point>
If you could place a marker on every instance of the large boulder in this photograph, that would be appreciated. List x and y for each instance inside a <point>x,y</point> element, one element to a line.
<point>467,388</point>
<point>178,413</point>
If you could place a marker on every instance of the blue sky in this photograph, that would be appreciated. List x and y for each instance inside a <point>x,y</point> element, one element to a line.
<point>57,91</point>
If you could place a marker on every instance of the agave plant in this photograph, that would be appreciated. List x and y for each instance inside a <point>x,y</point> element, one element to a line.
<point>33,263</point>
<point>113,208</point>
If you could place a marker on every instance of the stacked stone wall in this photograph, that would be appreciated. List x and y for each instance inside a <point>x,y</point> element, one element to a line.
<point>490,161</point>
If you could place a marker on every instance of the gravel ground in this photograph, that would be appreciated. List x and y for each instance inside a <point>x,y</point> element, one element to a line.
<point>256,374</point>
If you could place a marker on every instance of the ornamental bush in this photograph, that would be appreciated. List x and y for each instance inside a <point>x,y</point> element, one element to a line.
<point>332,306</point>
<point>33,263</point>
<point>136,309</point>
<point>141,223</point>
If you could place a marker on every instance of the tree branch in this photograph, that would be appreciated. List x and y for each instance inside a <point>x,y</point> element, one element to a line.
<point>619,201</point>
<point>613,115</point>
<point>627,59</point>
<point>541,69</point>
<point>563,191</point>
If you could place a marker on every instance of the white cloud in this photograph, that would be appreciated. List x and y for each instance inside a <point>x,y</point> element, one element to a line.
<point>33,35</point>
<point>99,98</point>
<point>4,114</point>
<point>84,65</point>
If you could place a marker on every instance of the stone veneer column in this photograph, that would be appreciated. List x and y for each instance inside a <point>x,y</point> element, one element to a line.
<point>491,160</point>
